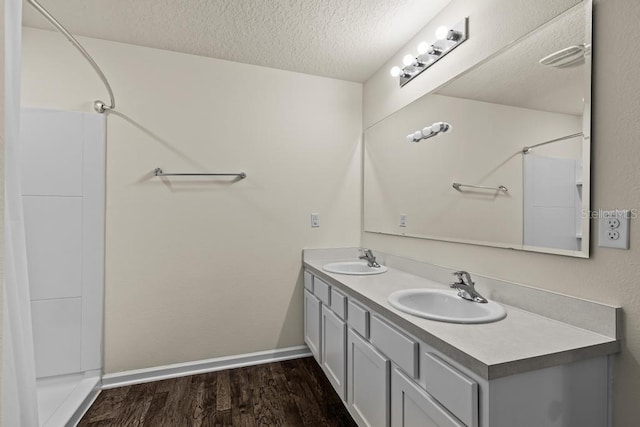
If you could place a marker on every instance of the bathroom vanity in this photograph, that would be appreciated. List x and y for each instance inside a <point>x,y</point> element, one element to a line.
<point>532,368</point>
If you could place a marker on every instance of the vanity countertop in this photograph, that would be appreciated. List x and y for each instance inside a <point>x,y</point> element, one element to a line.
<point>523,341</point>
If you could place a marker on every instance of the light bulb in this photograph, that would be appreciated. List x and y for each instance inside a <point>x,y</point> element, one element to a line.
<point>423,48</point>
<point>410,138</point>
<point>441,32</point>
<point>408,60</point>
<point>417,136</point>
<point>427,132</point>
<point>437,127</point>
<point>396,71</point>
<point>440,127</point>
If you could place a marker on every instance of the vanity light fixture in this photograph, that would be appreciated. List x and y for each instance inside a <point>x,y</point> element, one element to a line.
<point>429,132</point>
<point>447,39</point>
<point>434,50</point>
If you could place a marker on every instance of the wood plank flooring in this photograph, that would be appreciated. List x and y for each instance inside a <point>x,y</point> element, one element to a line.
<point>290,393</point>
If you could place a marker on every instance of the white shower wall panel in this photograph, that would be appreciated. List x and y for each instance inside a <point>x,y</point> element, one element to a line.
<point>52,151</point>
<point>93,228</point>
<point>552,209</point>
<point>54,246</point>
<point>63,166</point>
<point>57,336</point>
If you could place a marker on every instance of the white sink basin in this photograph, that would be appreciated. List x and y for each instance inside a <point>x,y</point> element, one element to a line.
<point>357,268</point>
<point>445,306</point>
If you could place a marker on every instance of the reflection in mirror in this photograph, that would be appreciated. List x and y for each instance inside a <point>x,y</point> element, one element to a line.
<point>519,148</point>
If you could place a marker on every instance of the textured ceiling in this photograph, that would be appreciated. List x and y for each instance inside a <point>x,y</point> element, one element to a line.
<point>344,39</point>
<point>514,77</point>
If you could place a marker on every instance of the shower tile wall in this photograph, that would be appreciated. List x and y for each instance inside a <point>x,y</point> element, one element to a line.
<point>63,198</point>
<point>552,202</point>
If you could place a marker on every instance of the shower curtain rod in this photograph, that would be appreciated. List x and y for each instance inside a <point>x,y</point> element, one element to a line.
<point>98,105</point>
<point>526,150</point>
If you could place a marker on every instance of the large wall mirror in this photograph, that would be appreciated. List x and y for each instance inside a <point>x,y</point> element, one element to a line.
<point>536,199</point>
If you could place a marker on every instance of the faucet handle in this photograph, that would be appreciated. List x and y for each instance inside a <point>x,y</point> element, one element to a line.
<point>462,275</point>
<point>366,253</point>
<point>459,275</point>
<point>460,281</point>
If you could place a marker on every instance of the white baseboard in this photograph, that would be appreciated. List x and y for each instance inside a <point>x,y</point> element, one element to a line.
<point>158,373</point>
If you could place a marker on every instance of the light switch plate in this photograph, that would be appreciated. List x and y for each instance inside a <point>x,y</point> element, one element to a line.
<point>613,229</point>
<point>403,220</point>
<point>315,220</point>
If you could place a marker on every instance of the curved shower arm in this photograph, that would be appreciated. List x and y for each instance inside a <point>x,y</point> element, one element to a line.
<point>99,106</point>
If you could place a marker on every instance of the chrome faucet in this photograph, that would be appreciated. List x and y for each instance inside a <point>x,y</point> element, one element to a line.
<point>368,255</point>
<point>466,287</point>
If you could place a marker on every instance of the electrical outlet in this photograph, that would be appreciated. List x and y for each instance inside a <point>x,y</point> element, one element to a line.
<point>403,220</point>
<point>315,220</point>
<point>613,223</point>
<point>614,229</point>
<point>613,235</point>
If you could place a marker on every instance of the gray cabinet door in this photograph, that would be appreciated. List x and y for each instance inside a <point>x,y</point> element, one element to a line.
<point>312,311</point>
<point>411,406</point>
<point>368,383</point>
<point>334,350</point>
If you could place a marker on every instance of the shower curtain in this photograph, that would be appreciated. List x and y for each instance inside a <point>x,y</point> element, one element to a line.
<point>19,400</point>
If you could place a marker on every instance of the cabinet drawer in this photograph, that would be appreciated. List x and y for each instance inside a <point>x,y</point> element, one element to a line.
<point>338,303</point>
<point>396,345</point>
<point>358,319</point>
<point>454,390</point>
<point>321,290</point>
<point>308,281</point>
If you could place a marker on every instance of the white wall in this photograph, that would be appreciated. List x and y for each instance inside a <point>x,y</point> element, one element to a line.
<point>610,275</point>
<point>201,268</point>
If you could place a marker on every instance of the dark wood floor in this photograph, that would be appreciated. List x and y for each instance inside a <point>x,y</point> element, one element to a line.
<point>290,393</point>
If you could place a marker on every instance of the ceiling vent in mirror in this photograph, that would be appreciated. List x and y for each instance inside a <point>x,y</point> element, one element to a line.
<point>567,57</point>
